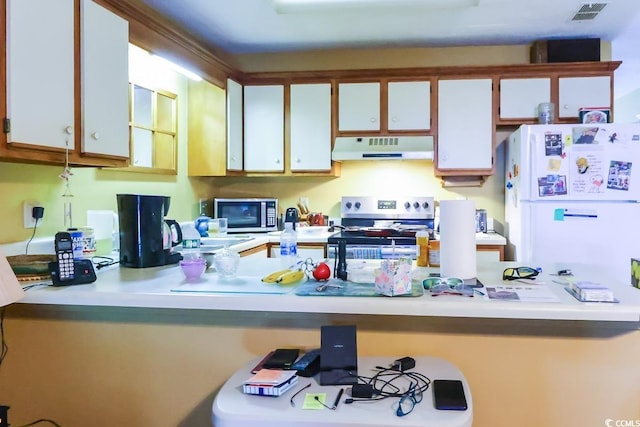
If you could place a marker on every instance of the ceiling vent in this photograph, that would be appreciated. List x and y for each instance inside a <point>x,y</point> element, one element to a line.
<point>589,11</point>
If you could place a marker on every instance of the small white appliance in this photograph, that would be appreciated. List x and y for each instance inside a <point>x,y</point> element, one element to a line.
<point>572,194</point>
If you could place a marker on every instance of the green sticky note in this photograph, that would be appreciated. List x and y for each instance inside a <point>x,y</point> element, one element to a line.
<point>314,400</point>
<point>558,215</point>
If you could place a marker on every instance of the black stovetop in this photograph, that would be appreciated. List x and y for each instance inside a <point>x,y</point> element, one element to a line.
<point>363,232</point>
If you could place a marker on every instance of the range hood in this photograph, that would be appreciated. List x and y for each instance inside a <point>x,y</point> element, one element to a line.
<point>383,147</point>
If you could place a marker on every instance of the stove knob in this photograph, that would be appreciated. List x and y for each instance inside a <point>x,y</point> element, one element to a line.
<point>348,205</point>
<point>407,205</point>
<point>425,205</point>
<point>416,205</point>
<point>358,205</point>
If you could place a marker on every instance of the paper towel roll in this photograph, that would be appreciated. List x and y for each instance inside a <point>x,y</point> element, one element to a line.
<point>458,239</point>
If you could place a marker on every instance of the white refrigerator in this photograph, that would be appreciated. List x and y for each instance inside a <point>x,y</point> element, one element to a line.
<point>572,194</point>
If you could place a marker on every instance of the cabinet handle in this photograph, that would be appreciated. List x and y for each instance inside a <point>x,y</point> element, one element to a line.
<point>68,130</point>
<point>566,106</point>
<point>95,135</point>
<point>373,119</point>
<point>277,161</point>
<point>394,119</point>
<point>298,160</point>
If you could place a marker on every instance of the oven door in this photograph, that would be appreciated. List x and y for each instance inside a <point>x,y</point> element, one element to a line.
<point>374,251</point>
<point>247,215</point>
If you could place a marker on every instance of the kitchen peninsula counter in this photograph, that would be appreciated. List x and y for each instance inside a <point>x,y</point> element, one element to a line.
<point>156,288</point>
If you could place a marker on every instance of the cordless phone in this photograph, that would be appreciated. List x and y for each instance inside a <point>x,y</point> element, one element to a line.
<point>64,256</point>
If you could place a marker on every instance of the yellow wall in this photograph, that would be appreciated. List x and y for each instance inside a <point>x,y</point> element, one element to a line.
<point>368,178</point>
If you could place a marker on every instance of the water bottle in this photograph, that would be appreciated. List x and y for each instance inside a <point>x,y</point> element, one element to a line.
<point>288,246</point>
<point>190,242</point>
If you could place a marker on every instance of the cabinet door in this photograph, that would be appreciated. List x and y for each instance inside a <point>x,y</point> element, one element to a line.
<point>234,125</point>
<point>40,72</point>
<point>519,98</point>
<point>314,252</point>
<point>578,92</point>
<point>264,128</point>
<point>105,81</point>
<point>310,126</point>
<point>465,124</point>
<point>358,106</point>
<point>409,106</point>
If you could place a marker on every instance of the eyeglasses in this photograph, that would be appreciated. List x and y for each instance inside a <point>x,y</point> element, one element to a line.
<point>447,286</point>
<point>430,282</point>
<point>408,400</point>
<point>519,273</point>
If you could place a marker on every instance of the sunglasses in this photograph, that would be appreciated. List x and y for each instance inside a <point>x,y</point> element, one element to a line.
<point>447,286</point>
<point>515,273</point>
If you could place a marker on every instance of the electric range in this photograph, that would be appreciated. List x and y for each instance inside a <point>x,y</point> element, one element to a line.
<point>375,228</point>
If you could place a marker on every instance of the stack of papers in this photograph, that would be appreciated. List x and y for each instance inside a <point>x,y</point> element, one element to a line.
<point>270,382</point>
<point>590,291</point>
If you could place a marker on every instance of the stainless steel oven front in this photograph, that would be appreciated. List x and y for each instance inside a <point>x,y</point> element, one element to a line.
<point>247,215</point>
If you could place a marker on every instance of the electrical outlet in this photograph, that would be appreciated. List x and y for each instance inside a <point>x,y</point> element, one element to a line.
<point>29,220</point>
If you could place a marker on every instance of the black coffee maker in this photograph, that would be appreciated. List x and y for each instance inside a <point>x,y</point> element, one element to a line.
<point>146,238</point>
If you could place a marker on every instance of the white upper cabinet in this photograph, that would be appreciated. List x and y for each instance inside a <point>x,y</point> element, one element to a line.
<point>40,72</point>
<point>264,128</point>
<point>519,98</point>
<point>234,125</point>
<point>409,106</point>
<point>359,106</point>
<point>310,107</point>
<point>578,92</point>
<point>465,124</point>
<point>105,81</point>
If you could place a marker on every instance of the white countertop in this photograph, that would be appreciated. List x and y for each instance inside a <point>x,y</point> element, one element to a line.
<point>152,288</point>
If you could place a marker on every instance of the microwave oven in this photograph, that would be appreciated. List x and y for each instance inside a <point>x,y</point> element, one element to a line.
<point>247,215</point>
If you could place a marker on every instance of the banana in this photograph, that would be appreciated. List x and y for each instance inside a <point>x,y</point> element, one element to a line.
<point>290,277</point>
<point>273,277</point>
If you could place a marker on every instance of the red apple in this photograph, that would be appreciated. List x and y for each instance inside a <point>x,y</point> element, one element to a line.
<point>322,272</point>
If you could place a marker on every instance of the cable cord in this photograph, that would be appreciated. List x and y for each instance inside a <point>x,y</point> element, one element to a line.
<point>35,226</point>
<point>41,420</point>
<point>383,387</point>
<point>5,348</point>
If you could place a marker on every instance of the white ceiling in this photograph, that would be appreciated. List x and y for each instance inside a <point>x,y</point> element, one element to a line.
<point>250,26</point>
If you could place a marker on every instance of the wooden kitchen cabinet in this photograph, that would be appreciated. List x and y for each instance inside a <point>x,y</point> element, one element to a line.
<point>520,97</point>
<point>465,127</point>
<point>234,125</point>
<point>105,82</point>
<point>207,126</point>
<point>359,106</point>
<point>315,251</point>
<point>310,124</point>
<point>40,81</point>
<point>264,128</point>
<point>409,106</point>
<point>59,97</point>
<point>577,92</point>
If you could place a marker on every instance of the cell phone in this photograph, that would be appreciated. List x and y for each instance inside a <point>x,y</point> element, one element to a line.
<point>282,358</point>
<point>64,256</point>
<point>449,395</point>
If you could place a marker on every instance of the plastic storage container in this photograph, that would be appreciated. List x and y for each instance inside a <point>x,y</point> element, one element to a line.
<point>288,246</point>
<point>434,253</point>
<point>422,248</point>
<point>226,261</point>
